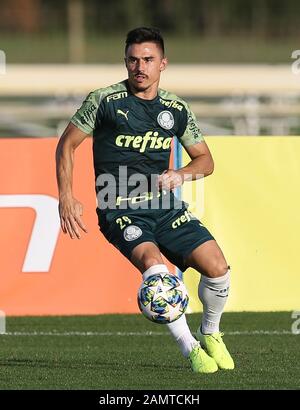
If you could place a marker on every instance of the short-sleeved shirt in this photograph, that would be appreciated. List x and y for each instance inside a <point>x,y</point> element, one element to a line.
<point>134,134</point>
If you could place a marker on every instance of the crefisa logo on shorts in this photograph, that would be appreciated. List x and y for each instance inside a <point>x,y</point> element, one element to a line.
<point>132,232</point>
<point>165,119</point>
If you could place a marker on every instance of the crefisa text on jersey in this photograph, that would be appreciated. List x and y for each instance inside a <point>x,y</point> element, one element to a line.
<point>171,103</point>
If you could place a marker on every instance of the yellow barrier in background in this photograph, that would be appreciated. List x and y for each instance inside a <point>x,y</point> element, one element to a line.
<point>252,206</point>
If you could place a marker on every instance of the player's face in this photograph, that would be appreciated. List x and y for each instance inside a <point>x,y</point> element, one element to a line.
<point>144,63</point>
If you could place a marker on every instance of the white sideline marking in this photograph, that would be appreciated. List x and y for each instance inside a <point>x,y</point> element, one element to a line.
<point>74,333</point>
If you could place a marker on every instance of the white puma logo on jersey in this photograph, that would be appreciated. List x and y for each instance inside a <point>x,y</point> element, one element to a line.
<point>123,113</point>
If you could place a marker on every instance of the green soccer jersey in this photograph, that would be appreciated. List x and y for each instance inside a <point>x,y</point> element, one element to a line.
<point>132,132</point>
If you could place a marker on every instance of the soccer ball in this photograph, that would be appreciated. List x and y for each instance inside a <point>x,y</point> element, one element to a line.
<point>162,298</point>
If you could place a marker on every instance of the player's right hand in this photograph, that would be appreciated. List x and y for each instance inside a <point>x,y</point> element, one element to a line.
<point>70,212</point>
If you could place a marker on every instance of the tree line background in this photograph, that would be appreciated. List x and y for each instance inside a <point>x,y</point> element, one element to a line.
<point>268,21</point>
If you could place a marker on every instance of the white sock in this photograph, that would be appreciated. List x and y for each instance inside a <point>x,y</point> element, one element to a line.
<point>213,293</point>
<point>183,336</point>
<point>179,329</point>
<point>155,269</point>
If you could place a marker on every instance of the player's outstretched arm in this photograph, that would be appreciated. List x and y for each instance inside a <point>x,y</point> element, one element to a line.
<point>200,166</point>
<point>70,210</point>
<point>202,163</point>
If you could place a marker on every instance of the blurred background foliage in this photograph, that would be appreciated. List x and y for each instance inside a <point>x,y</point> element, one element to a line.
<point>196,31</point>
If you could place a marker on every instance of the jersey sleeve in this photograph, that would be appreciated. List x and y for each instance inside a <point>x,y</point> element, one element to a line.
<point>85,117</point>
<point>189,132</point>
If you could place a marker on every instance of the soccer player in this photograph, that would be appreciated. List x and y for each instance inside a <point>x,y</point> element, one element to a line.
<point>133,123</point>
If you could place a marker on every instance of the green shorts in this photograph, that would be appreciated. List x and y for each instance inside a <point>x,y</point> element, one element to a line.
<point>177,232</point>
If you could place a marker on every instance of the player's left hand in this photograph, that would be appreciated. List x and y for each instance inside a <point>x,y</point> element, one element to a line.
<point>170,179</point>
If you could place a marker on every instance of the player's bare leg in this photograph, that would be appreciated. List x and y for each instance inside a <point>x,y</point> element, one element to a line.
<point>209,260</point>
<point>148,259</point>
<point>145,255</point>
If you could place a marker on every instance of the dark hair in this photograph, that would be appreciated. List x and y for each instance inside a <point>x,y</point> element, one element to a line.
<point>144,34</point>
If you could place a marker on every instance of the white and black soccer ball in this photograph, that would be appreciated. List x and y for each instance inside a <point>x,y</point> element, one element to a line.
<point>162,298</point>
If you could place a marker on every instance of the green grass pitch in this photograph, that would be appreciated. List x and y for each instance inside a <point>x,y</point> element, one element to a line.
<point>128,352</point>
